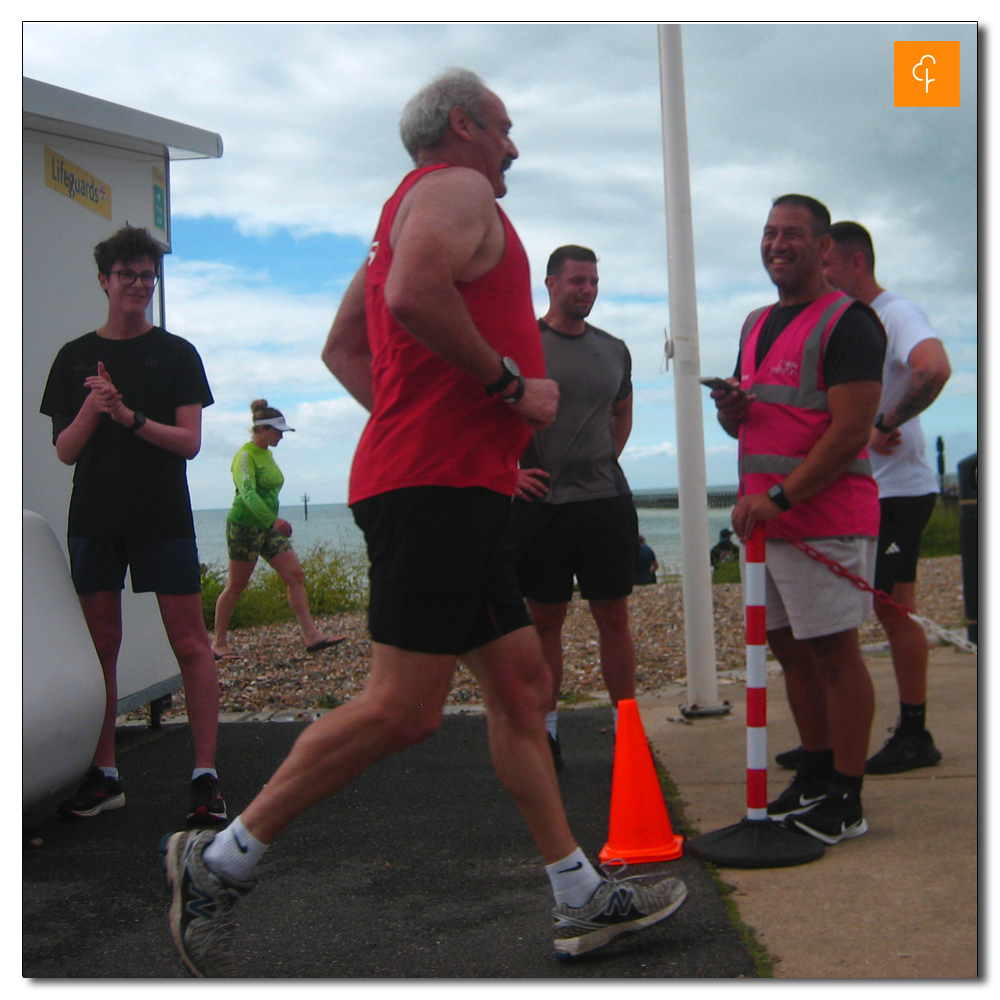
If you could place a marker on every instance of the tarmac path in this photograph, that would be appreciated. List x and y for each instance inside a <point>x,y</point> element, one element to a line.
<point>420,868</point>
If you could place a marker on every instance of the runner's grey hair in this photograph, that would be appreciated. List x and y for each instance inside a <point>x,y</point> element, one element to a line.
<point>425,116</point>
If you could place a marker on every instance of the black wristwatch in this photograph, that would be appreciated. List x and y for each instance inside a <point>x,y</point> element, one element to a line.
<point>510,373</point>
<point>138,420</point>
<point>777,495</point>
<point>878,425</point>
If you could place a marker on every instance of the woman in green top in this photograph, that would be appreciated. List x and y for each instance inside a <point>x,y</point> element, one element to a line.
<point>254,529</point>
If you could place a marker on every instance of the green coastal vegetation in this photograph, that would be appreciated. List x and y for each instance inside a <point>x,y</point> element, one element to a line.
<point>337,580</point>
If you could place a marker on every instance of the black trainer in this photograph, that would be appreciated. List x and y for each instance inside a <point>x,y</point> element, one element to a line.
<point>904,752</point>
<point>803,793</point>
<point>96,793</point>
<point>207,803</point>
<point>556,753</point>
<point>790,759</point>
<point>838,817</point>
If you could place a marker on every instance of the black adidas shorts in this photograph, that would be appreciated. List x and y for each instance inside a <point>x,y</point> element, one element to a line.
<point>902,524</point>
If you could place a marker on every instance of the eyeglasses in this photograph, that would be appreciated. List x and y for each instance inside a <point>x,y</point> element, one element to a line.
<point>127,278</point>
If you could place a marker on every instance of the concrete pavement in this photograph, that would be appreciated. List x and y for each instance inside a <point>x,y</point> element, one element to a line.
<point>900,901</point>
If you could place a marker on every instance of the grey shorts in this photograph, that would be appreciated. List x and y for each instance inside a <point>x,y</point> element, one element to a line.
<point>806,595</point>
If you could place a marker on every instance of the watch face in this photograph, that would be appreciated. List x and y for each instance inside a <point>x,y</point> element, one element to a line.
<point>511,366</point>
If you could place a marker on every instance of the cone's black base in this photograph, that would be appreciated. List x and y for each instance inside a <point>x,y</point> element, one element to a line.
<point>756,844</point>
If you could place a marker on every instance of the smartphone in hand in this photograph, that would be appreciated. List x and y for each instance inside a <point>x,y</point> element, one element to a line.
<point>721,383</point>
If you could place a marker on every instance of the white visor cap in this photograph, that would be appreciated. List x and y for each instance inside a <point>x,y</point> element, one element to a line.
<point>278,423</point>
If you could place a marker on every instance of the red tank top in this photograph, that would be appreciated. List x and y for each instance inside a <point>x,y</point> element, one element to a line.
<point>432,424</point>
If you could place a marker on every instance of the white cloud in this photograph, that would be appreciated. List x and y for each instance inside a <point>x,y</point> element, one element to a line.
<point>309,112</point>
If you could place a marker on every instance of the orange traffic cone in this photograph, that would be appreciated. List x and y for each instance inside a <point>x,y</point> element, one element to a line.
<point>640,829</point>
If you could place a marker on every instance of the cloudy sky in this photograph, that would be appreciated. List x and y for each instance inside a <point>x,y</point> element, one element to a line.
<point>266,238</point>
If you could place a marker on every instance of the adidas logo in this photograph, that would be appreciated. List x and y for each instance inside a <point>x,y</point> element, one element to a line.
<point>893,550</point>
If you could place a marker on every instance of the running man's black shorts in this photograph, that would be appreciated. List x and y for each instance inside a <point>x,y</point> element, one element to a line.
<point>442,578</point>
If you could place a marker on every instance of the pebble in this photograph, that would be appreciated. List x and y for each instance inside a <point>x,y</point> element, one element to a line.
<point>276,673</point>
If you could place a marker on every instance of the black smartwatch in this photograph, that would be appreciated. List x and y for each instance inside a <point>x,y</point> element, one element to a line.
<point>510,373</point>
<point>777,495</point>
<point>138,420</point>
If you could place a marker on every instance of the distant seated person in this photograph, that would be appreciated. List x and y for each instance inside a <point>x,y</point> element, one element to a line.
<point>724,550</point>
<point>645,563</point>
<point>254,529</point>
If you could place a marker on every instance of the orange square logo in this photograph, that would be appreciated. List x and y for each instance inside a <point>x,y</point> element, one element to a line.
<point>925,75</point>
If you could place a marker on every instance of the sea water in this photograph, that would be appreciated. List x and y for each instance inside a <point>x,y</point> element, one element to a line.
<point>332,524</point>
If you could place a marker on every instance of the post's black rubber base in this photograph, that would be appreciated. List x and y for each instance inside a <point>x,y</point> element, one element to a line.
<point>756,844</point>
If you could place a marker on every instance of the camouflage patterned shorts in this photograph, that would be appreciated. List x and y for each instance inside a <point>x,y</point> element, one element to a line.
<point>246,544</point>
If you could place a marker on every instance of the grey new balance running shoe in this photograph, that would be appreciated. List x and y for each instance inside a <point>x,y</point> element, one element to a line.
<point>617,907</point>
<point>201,906</point>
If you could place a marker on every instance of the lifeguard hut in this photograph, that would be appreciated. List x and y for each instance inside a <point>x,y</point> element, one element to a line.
<point>88,168</point>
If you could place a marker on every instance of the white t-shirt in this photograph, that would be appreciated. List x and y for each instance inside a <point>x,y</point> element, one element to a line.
<point>904,473</point>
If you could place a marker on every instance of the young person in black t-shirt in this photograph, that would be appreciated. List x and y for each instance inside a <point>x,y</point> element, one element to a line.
<point>125,402</point>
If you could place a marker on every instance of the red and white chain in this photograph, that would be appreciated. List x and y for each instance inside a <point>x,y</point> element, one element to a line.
<point>880,595</point>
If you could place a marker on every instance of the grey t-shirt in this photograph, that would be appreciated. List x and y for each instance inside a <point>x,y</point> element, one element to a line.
<point>594,372</point>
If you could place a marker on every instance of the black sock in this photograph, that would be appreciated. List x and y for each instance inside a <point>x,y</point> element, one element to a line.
<point>849,782</point>
<point>817,764</point>
<point>911,717</point>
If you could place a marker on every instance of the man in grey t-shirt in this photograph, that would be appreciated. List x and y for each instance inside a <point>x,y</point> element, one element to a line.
<point>572,514</point>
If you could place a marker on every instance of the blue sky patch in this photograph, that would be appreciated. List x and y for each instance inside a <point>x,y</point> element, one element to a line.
<point>301,264</point>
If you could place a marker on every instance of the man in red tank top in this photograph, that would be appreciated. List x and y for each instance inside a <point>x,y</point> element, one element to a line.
<point>812,371</point>
<point>436,338</point>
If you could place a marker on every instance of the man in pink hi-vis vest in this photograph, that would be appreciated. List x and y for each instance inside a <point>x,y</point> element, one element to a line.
<point>436,337</point>
<point>803,404</point>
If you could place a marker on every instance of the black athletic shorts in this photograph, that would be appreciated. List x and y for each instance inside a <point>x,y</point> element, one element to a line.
<point>442,578</point>
<point>157,565</point>
<point>902,523</point>
<point>597,541</point>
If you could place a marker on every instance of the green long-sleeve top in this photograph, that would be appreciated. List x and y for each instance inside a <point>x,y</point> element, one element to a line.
<point>258,481</point>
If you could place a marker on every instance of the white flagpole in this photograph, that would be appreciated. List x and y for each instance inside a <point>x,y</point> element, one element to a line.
<point>696,577</point>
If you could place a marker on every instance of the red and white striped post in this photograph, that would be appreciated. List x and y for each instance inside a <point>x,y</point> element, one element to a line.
<point>754,589</point>
<point>756,841</point>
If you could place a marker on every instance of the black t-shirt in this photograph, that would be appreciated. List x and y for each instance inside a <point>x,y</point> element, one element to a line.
<point>124,486</point>
<point>855,350</point>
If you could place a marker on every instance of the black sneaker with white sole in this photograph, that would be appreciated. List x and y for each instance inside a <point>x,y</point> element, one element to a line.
<point>803,793</point>
<point>904,752</point>
<point>207,804</point>
<point>97,793</point>
<point>838,817</point>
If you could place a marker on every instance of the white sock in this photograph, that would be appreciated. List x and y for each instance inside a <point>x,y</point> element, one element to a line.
<point>573,879</point>
<point>550,722</point>
<point>235,852</point>
<point>199,771</point>
<point>109,772</point>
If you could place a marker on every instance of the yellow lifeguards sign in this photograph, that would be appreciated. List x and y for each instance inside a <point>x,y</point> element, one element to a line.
<point>76,184</point>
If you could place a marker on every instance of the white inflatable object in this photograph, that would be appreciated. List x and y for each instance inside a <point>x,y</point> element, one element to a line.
<point>63,686</point>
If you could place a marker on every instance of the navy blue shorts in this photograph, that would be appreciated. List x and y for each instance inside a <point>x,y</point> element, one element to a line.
<point>157,565</point>
<point>442,578</point>
<point>902,524</point>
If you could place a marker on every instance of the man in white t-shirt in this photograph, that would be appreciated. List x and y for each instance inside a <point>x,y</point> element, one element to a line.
<point>916,369</point>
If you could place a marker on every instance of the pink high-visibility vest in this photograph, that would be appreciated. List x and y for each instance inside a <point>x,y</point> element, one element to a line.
<point>789,416</point>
